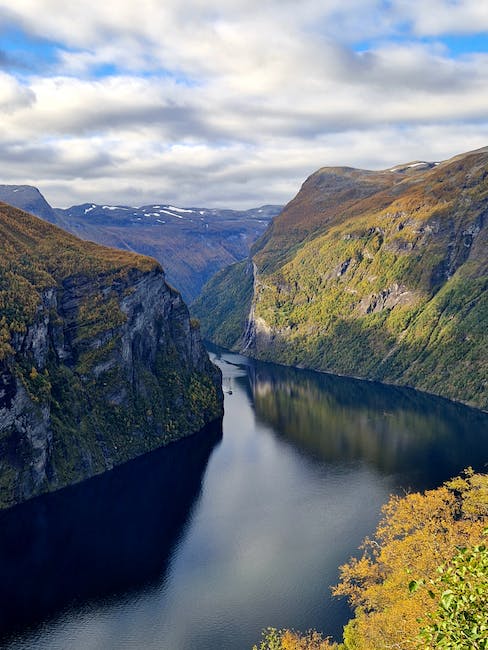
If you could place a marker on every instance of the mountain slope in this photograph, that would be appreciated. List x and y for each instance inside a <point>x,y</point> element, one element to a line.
<point>99,361</point>
<point>381,275</point>
<point>192,244</point>
<point>28,198</point>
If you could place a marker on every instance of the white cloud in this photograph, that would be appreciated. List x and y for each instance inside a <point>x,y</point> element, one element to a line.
<point>444,16</point>
<point>14,95</point>
<point>234,103</point>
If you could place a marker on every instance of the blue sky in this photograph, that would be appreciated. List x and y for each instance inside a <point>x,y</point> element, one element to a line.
<point>235,103</point>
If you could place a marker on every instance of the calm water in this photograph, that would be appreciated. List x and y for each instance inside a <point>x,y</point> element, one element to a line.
<point>200,545</point>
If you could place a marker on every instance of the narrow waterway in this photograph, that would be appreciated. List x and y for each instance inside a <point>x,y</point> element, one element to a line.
<point>200,545</point>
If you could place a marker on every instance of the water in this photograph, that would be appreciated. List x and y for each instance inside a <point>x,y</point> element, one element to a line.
<point>200,545</point>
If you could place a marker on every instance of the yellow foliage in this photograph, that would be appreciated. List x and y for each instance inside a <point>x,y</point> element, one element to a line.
<point>417,534</point>
<point>274,639</point>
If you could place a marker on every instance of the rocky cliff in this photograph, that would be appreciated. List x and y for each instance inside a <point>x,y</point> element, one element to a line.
<point>99,360</point>
<point>381,275</point>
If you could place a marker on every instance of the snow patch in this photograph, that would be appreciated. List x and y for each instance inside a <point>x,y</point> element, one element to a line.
<point>171,207</point>
<point>171,214</point>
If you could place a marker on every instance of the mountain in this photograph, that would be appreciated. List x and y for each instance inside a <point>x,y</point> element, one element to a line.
<point>380,275</point>
<point>99,360</point>
<point>29,199</point>
<point>192,244</point>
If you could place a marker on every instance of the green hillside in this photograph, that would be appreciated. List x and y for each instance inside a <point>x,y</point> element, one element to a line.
<point>381,275</point>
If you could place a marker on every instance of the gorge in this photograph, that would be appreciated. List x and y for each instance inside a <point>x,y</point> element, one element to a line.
<point>202,544</point>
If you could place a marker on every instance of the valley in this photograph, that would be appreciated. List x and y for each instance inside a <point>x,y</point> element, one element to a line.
<point>191,244</point>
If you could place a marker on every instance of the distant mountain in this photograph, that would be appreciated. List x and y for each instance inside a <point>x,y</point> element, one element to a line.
<point>99,359</point>
<point>27,198</point>
<point>192,244</point>
<point>374,274</point>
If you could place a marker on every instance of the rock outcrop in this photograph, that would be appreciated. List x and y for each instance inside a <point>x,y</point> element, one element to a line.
<point>99,360</point>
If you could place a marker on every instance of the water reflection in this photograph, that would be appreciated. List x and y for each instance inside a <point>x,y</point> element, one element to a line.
<point>108,536</point>
<point>161,562</point>
<point>421,438</point>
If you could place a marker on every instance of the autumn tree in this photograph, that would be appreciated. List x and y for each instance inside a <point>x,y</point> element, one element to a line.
<point>418,534</point>
<point>422,580</point>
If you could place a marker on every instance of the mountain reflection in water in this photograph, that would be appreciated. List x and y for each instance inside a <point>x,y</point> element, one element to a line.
<point>397,430</point>
<point>201,545</point>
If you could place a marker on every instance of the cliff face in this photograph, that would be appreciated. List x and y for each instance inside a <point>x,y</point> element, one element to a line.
<point>381,275</point>
<point>99,361</point>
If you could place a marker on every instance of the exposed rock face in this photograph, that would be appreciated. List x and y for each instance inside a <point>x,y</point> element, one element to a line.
<point>381,275</point>
<point>102,365</point>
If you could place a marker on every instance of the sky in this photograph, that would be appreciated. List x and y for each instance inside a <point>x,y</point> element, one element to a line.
<point>232,103</point>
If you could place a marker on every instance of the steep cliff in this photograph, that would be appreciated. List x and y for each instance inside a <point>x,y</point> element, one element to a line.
<point>381,275</point>
<point>99,360</point>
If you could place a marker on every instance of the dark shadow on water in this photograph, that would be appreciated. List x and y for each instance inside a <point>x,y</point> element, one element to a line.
<point>111,535</point>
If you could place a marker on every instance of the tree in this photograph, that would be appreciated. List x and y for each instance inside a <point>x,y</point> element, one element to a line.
<point>418,533</point>
<point>460,620</point>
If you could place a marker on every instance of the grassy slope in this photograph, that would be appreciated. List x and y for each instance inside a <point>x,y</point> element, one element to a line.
<point>386,282</point>
<point>224,317</point>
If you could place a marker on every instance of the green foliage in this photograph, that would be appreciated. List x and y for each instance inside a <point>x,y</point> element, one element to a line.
<point>223,307</point>
<point>461,592</point>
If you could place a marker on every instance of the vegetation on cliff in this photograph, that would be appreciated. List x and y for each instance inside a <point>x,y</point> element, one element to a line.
<point>422,581</point>
<point>382,275</point>
<point>226,316</point>
<point>99,360</point>
<point>37,256</point>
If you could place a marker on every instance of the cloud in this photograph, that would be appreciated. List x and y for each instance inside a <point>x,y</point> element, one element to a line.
<point>438,17</point>
<point>234,103</point>
<point>14,95</point>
